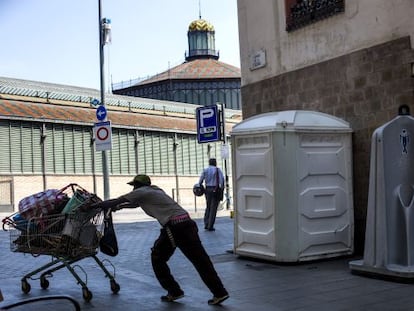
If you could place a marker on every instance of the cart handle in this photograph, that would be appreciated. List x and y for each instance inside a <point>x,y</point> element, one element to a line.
<point>51,297</point>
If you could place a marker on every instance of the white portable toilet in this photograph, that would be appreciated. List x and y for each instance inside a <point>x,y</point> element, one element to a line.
<point>389,233</point>
<point>292,186</point>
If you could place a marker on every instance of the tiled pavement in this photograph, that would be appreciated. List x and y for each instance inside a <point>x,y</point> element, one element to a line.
<point>253,285</point>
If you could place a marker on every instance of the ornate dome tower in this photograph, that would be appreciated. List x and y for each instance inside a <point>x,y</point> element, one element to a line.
<point>201,79</point>
<point>201,41</point>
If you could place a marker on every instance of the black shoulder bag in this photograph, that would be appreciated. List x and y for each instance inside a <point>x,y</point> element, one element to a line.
<point>219,191</point>
<point>108,243</point>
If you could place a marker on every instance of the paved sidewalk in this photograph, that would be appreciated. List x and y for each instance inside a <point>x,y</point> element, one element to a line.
<point>253,284</point>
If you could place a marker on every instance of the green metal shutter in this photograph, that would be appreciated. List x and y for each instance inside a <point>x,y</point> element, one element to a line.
<point>141,152</point>
<point>186,154</point>
<point>123,152</point>
<point>78,147</point>
<point>149,164</point>
<point>68,147</point>
<point>27,148</point>
<point>36,135</point>
<point>192,155</point>
<point>98,162</point>
<point>88,149</point>
<point>156,152</point>
<point>58,148</point>
<point>49,151</point>
<point>5,153</point>
<point>213,96</point>
<point>234,98</point>
<point>222,96</point>
<point>229,102</point>
<point>170,153</point>
<point>130,153</point>
<point>114,159</point>
<point>203,157</point>
<point>16,147</point>
<point>143,169</point>
<point>179,154</point>
<point>203,97</point>
<point>164,153</point>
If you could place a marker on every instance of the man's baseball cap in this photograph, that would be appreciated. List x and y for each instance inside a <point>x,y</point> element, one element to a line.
<point>140,179</point>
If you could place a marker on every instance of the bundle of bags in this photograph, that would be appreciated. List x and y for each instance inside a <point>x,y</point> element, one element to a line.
<point>52,202</point>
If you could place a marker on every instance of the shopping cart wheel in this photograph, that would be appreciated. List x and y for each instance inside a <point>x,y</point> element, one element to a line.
<point>44,283</point>
<point>25,287</point>
<point>115,287</point>
<point>87,294</point>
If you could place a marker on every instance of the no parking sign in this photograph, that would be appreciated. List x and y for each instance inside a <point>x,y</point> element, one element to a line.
<point>103,136</point>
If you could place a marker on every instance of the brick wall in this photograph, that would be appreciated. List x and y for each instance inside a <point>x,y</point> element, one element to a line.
<point>364,88</point>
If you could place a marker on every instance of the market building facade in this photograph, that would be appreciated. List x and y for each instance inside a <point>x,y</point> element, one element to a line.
<point>47,142</point>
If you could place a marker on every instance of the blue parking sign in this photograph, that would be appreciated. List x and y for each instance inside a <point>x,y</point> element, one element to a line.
<point>208,124</point>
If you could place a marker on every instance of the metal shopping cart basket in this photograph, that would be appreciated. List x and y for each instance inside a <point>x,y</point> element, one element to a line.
<point>67,236</point>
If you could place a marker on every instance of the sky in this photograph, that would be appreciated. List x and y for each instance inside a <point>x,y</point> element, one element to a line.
<point>57,41</point>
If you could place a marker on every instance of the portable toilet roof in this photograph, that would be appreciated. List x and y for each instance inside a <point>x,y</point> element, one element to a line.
<point>291,120</point>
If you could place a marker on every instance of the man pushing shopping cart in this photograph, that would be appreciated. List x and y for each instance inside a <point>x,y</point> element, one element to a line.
<point>178,230</point>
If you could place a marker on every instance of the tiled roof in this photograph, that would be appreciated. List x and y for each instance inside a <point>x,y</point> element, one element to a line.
<point>43,112</point>
<point>13,109</point>
<point>37,101</point>
<point>69,93</point>
<point>197,69</point>
<point>56,92</point>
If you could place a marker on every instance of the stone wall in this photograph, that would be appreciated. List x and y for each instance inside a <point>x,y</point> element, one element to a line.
<point>364,88</point>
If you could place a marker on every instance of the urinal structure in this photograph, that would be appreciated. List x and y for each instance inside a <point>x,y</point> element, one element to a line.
<point>389,236</point>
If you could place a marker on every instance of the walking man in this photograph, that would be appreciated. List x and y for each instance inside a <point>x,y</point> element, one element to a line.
<point>213,178</point>
<point>178,230</point>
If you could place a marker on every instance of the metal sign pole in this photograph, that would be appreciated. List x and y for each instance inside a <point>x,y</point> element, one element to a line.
<point>177,185</point>
<point>105,169</point>
<point>223,122</point>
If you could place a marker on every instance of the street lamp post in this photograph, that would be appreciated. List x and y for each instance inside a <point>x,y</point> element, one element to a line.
<point>102,34</point>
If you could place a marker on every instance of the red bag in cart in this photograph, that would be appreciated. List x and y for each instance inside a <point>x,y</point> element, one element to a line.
<point>42,203</point>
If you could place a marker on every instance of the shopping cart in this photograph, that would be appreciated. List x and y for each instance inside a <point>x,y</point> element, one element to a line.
<point>68,237</point>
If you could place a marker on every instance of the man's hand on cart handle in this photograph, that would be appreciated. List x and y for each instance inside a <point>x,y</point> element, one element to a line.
<point>122,205</point>
<point>118,207</point>
<point>109,204</point>
<point>113,205</point>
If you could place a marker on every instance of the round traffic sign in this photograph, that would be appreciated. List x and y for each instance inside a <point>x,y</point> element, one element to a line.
<point>102,133</point>
<point>103,136</point>
<point>101,113</point>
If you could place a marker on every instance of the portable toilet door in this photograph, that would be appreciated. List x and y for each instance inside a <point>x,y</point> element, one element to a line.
<point>292,186</point>
<point>253,195</point>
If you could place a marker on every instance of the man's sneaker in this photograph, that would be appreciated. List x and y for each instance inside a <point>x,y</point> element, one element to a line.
<point>171,298</point>
<point>217,300</point>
